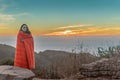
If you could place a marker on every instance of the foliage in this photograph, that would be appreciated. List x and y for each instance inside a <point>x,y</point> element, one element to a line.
<point>6,61</point>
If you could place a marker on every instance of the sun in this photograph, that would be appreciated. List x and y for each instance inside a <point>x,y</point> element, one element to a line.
<point>67,32</point>
<point>62,33</point>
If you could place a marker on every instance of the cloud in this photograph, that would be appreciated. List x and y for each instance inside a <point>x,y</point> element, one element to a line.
<point>91,30</point>
<point>7,17</point>
<point>73,26</point>
<point>23,14</point>
<point>11,17</point>
<point>3,26</point>
<point>99,31</point>
<point>4,6</point>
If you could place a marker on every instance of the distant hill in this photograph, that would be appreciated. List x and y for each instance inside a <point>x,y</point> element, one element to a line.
<point>6,54</point>
<point>6,51</point>
<point>49,57</point>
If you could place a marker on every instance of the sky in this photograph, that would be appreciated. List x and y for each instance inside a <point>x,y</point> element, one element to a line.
<point>61,17</point>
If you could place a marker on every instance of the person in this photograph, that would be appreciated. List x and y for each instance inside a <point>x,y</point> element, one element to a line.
<point>24,54</point>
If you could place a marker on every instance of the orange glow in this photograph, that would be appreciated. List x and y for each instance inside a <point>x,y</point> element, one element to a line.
<point>39,31</point>
<point>61,33</point>
<point>67,32</point>
<point>96,31</point>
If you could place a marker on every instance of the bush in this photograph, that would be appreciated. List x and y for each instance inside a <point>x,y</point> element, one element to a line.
<point>7,61</point>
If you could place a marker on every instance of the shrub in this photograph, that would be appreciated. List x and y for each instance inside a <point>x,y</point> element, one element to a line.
<point>6,61</point>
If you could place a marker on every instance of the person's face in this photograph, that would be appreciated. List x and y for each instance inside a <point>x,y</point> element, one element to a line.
<point>24,28</point>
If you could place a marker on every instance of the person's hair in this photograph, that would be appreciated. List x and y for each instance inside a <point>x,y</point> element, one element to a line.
<point>28,31</point>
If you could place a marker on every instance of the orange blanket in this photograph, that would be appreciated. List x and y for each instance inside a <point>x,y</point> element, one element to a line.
<point>24,56</point>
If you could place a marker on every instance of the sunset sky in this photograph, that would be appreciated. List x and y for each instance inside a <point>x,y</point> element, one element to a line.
<point>61,17</point>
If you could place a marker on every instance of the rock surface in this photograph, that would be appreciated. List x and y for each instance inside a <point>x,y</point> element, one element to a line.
<point>15,73</point>
<point>104,69</point>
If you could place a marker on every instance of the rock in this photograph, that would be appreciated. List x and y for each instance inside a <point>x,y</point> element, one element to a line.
<point>104,69</point>
<point>52,79</point>
<point>15,73</point>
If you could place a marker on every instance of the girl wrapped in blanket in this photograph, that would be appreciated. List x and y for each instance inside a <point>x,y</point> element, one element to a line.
<point>24,54</point>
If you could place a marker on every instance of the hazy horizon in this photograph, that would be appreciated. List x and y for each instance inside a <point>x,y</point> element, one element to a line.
<point>67,43</point>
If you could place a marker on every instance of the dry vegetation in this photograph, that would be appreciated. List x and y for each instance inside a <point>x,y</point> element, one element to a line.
<point>61,64</point>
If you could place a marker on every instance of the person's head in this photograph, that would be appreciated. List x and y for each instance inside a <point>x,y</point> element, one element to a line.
<point>25,29</point>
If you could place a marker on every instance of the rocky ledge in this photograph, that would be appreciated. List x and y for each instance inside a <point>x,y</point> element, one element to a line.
<point>15,73</point>
<point>104,69</point>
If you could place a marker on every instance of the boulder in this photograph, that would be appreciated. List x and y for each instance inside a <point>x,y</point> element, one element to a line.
<point>104,69</point>
<point>15,73</point>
